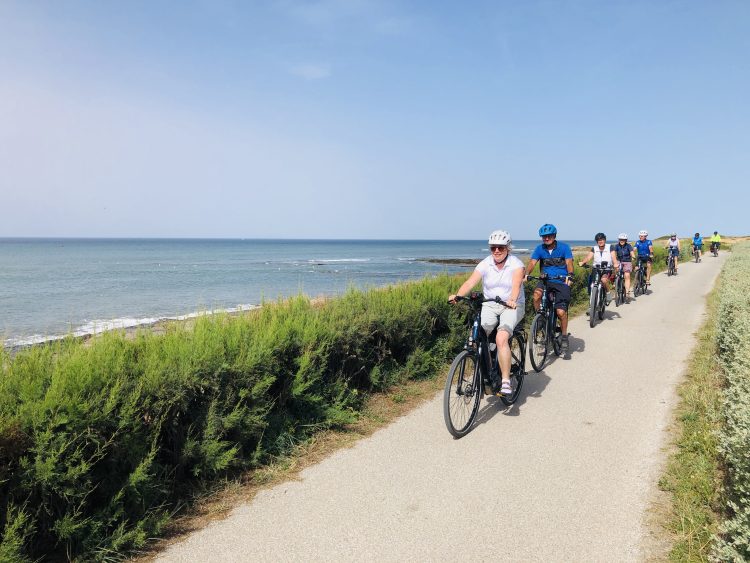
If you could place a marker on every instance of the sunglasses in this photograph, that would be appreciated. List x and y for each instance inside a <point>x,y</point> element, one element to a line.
<point>493,248</point>
<point>548,236</point>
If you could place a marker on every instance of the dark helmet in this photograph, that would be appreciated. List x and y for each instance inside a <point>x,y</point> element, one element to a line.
<point>547,229</point>
<point>697,235</point>
<point>716,232</point>
<point>600,236</point>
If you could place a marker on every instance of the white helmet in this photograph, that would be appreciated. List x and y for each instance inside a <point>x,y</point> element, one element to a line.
<point>643,233</point>
<point>499,237</point>
<point>622,236</point>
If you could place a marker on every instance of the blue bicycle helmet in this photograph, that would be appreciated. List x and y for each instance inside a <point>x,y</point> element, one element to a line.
<point>547,229</point>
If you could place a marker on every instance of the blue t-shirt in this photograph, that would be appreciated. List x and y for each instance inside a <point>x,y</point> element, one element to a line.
<point>642,247</point>
<point>553,263</point>
<point>698,241</point>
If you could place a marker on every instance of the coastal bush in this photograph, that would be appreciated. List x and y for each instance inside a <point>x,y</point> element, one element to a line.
<point>733,346</point>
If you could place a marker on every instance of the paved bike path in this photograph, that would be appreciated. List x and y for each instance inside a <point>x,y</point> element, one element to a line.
<point>566,474</point>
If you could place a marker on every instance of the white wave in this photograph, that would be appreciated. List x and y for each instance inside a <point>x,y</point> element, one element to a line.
<point>334,260</point>
<point>99,326</point>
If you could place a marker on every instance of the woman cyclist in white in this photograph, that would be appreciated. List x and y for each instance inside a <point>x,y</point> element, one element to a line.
<point>501,274</point>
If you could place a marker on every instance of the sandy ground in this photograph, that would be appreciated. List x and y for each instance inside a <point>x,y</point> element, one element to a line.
<point>566,474</point>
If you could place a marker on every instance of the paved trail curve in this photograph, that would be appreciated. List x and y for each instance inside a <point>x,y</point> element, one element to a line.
<point>566,474</point>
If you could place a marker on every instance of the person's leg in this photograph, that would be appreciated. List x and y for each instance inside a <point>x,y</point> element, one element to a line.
<point>503,353</point>
<point>537,298</point>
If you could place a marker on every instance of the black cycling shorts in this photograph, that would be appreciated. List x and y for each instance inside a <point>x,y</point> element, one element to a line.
<point>562,294</point>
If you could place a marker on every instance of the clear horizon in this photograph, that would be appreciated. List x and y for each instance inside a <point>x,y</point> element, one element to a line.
<point>373,120</point>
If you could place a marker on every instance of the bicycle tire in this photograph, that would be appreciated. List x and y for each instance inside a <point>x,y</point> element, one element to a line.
<point>557,337</point>
<point>462,393</point>
<point>602,302</point>
<point>695,254</point>
<point>593,303</point>
<point>619,291</point>
<point>517,365</point>
<point>638,286</point>
<point>538,343</point>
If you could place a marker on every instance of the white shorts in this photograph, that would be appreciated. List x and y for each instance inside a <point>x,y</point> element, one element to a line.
<point>500,316</point>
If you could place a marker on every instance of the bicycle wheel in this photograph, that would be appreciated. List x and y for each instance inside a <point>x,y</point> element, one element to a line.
<point>538,343</point>
<point>619,291</point>
<point>602,302</point>
<point>557,337</point>
<point>593,305</point>
<point>462,393</point>
<point>695,255</point>
<point>517,365</point>
<point>638,288</point>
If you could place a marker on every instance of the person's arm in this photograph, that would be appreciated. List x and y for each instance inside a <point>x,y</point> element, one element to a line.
<point>515,292</point>
<point>530,266</point>
<point>569,266</point>
<point>464,290</point>
<point>613,255</point>
<point>651,250</point>
<point>587,259</point>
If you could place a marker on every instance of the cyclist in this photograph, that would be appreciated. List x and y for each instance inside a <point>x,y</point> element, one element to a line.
<point>602,252</point>
<point>698,244</point>
<point>716,240</point>
<point>644,248</point>
<point>555,259</point>
<point>502,276</point>
<point>624,253</point>
<point>673,247</point>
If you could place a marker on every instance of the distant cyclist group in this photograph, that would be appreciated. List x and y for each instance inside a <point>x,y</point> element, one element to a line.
<point>503,301</point>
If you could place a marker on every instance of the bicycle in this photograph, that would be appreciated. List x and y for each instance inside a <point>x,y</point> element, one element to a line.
<point>696,253</point>
<point>598,292</point>
<point>620,287</point>
<point>671,270</point>
<point>640,287</point>
<point>715,248</point>
<point>469,374</point>
<point>546,329</point>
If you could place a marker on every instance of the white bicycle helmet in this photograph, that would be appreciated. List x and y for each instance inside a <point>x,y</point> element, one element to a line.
<point>622,236</point>
<point>499,237</point>
<point>643,233</point>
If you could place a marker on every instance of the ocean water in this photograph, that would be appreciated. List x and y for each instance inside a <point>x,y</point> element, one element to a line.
<point>53,287</point>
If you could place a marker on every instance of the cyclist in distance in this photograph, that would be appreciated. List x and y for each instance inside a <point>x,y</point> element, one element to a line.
<point>644,248</point>
<point>673,247</point>
<point>555,259</point>
<point>602,252</point>
<point>502,276</point>
<point>716,240</point>
<point>698,243</point>
<point>624,253</point>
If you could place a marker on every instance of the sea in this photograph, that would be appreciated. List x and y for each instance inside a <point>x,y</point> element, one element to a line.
<point>50,288</point>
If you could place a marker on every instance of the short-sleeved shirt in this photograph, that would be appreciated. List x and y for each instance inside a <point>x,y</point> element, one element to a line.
<point>715,238</point>
<point>643,247</point>
<point>498,281</point>
<point>624,252</point>
<point>697,241</point>
<point>552,262</point>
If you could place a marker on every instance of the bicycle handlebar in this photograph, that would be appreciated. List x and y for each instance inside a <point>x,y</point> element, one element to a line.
<point>545,277</point>
<point>479,298</point>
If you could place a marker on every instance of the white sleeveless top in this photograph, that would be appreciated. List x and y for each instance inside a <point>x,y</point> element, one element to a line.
<point>602,255</point>
<point>674,243</point>
<point>498,282</point>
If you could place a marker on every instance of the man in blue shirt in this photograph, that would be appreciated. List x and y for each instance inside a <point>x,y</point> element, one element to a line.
<point>698,243</point>
<point>555,259</point>
<point>644,248</point>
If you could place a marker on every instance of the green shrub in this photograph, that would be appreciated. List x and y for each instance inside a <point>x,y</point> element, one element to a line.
<point>733,344</point>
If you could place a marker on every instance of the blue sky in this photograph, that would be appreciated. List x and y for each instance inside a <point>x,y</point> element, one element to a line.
<point>373,119</point>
